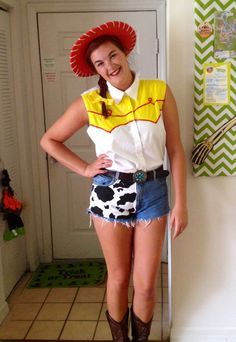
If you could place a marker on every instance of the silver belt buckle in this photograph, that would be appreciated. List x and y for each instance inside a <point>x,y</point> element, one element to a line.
<point>140,176</point>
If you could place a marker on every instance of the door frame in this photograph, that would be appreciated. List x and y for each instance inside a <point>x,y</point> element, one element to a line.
<point>29,9</point>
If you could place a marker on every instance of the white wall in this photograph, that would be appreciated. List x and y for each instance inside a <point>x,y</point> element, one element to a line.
<point>203,260</point>
<point>3,304</point>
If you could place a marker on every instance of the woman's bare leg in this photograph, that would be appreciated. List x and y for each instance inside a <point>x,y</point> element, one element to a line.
<point>148,243</point>
<point>116,242</point>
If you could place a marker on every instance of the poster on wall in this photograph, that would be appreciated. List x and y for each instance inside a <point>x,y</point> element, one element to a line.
<point>225,34</point>
<point>216,83</point>
<point>214,147</point>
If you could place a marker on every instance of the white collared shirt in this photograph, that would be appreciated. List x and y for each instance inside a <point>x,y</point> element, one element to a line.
<point>118,94</point>
<point>133,137</point>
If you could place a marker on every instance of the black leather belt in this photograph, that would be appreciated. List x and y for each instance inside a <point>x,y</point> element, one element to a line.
<point>140,176</point>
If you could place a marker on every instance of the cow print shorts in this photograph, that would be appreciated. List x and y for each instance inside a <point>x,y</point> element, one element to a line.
<point>127,202</point>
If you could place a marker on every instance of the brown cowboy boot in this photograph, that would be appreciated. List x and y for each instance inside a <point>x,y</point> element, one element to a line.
<point>140,329</point>
<point>119,330</point>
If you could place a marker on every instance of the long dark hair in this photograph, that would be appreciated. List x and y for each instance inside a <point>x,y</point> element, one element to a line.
<point>102,82</point>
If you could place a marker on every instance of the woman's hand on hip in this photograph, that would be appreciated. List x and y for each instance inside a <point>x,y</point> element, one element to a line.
<point>98,166</point>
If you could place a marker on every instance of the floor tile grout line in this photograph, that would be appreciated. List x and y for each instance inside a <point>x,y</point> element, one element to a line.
<point>66,320</point>
<point>162,286</point>
<point>42,303</point>
<point>98,320</point>
<point>89,320</point>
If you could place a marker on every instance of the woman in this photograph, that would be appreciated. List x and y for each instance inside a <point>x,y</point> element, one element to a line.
<point>131,121</point>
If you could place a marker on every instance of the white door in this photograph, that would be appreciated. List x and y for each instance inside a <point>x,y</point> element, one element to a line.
<point>69,193</point>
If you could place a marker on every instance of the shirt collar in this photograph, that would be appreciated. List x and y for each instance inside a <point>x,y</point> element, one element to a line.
<point>118,94</point>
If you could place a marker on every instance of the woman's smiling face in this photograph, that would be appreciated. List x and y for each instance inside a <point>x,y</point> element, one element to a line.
<point>111,63</point>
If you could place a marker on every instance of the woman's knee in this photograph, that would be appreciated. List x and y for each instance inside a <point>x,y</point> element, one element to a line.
<point>145,291</point>
<point>119,278</point>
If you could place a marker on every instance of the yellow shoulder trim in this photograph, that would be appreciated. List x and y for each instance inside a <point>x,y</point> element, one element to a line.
<point>147,107</point>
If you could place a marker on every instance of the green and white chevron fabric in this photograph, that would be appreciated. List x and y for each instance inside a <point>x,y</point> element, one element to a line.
<point>220,158</point>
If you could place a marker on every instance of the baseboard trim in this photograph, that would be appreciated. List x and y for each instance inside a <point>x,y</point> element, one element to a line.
<point>203,335</point>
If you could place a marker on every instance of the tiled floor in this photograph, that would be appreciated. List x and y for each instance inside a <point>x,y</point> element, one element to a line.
<point>71,313</point>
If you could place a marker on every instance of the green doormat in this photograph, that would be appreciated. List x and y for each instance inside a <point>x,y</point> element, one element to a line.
<point>73,274</point>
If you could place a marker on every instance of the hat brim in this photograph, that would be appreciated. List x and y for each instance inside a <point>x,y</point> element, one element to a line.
<point>123,31</point>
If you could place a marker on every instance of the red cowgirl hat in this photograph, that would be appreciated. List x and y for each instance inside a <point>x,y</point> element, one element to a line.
<point>123,31</point>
